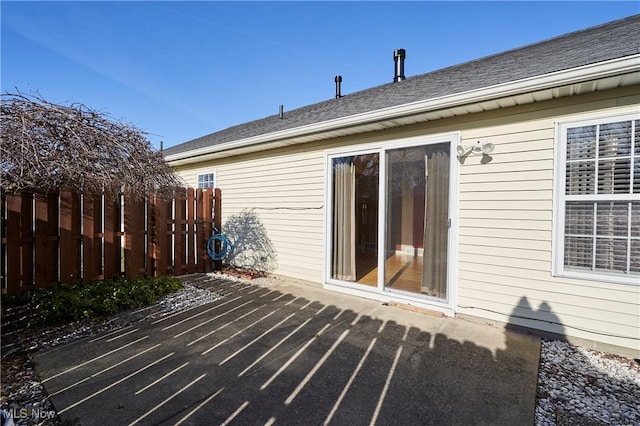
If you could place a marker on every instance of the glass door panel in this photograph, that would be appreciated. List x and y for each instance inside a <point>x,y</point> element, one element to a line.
<point>417,220</point>
<point>355,187</point>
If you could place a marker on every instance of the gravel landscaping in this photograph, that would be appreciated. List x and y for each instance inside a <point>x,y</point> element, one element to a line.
<point>576,386</point>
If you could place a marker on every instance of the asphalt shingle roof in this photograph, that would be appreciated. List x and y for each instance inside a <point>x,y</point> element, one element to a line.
<point>604,42</point>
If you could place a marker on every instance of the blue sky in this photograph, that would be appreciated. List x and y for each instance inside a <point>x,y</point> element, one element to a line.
<point>181,70</point>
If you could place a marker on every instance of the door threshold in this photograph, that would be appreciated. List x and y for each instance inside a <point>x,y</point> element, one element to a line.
<point>417,309</point>
<point>388,298</point>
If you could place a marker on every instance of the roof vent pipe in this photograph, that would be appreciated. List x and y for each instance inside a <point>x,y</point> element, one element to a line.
<point>338,80</point>
<point>398,57</point>
<point>281,111</point>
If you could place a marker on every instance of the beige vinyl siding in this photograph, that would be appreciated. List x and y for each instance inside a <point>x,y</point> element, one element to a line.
<point>505,236</point>
<point>286,192</point>
<point>505,216</point>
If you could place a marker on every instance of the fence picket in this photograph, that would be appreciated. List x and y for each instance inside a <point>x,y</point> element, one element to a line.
<point>69,234</point>
<point>217,221</point>
<point>179,240</point>
<point>27,241</point>
<point>88,238</point>
<point>98,237</point>
<point>53,238</point>
<point>199,232</point>
<point>42,254</point>
<point>207,225</point>
<point>162,236</point>
<point>191,234</point>
<point>112,265</point>
<point>13,245</point>
<point>134,231</point>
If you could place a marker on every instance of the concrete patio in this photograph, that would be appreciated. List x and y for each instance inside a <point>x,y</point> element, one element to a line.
<point>293,353</point>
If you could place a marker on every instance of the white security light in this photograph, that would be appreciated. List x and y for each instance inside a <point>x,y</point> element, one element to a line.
<point>479,147</point>
<point>485,147</point>
<point>461,149</point>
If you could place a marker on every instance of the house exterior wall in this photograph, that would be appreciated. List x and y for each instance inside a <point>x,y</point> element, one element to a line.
<point>505,226</point>
<point>285,189</point>
<point>505,233</point>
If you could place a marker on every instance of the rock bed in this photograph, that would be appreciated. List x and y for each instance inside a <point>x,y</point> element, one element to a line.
<point>576,386</point>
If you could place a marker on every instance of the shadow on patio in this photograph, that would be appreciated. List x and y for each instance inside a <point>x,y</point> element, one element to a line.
<point>268,355</point>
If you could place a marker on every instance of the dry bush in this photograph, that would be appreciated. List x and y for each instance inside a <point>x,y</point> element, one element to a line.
<point>47,146</point>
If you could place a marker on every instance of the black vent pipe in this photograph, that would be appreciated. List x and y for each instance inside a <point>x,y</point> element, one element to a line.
<point>398,57</point>
<point>338,80</point>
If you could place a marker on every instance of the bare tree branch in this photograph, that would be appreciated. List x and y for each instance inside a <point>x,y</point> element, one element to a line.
<point>46,146</point>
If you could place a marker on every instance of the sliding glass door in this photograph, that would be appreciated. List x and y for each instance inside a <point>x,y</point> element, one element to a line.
<point>389,219</point>
<point>417,220</point>
<point>355,218</point>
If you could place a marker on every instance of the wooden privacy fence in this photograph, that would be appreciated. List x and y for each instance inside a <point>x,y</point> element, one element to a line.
<point>66,237</point>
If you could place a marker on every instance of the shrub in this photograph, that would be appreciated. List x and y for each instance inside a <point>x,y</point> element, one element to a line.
<point>73,302</point>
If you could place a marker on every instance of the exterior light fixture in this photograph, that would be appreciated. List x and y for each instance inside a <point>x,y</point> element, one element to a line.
<point>480,147</point>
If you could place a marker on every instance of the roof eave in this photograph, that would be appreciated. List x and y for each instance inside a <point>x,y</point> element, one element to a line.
<point>601,70</point>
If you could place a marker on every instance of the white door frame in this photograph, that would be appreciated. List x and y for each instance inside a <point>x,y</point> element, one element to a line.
<point>379,292</point>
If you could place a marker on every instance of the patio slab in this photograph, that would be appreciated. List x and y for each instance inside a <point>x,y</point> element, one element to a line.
<point>292,353</point>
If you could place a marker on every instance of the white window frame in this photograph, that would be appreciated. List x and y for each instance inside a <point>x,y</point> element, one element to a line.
<point>202,175</point>
<point>560,199</point>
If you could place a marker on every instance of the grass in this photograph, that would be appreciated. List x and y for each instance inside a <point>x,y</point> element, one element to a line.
<point>66,303</point>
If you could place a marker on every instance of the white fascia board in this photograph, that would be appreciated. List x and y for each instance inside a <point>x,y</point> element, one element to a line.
<point>596,71</point>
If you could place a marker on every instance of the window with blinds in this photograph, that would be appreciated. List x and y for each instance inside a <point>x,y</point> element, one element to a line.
<point>598,200</point>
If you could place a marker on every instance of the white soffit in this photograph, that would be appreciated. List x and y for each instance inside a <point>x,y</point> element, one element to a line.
<point>590,78</point>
